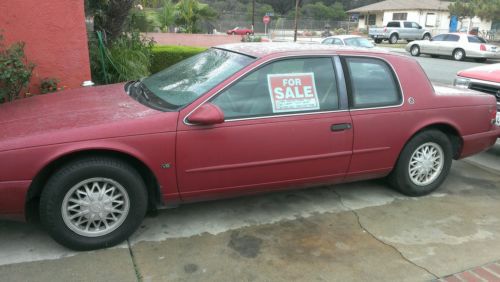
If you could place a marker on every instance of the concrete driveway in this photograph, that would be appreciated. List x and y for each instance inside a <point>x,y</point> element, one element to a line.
<point>358,231</point>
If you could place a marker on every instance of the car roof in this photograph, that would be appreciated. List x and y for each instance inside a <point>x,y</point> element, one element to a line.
<point>258,50</point>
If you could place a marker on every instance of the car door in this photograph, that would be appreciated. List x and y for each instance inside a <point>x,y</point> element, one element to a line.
<point>374,94</point>
<point>286,124</point>
<point>432,46</point>
<point>449,44</point>
<point>406,31</point>
<point>415,31</point>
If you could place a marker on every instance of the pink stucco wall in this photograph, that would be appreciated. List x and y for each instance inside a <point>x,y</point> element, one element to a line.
<point>55,36</point>
<point>197,40</point>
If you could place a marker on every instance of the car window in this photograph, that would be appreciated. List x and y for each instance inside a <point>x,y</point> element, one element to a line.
<point>415,25</point>
<point>439,37</point>
<point>337,41</point>
<point>475,39</point>
<point>286,86</point>
<point>407,24</point>
<point>393,24</point>
<point>452,37</point>
<point>372,83</point>
<point>327,41</point>
<point>358,42</point>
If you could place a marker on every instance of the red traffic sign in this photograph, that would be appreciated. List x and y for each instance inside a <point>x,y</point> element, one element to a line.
<point>266,19</point>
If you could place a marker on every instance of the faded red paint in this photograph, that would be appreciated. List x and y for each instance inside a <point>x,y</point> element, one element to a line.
<point>55,36</point>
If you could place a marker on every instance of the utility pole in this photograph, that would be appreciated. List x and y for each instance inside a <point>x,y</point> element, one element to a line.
<point>296,18</point>
<point>253,15</point>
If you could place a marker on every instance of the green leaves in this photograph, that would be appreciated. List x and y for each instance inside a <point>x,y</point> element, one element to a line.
<point>485,9</point>
<point>15,71</point>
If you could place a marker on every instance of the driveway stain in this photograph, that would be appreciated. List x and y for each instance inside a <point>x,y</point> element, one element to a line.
<point>246,245</point>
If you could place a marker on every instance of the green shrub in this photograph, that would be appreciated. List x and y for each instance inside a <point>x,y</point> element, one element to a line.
<point>15,71</point>
<point>165,56</point>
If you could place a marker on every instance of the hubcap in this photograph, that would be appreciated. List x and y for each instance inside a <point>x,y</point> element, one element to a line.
<point>426,164</point>
<point>95,207</point>
<point>458,55</point>
<point>414,51</point>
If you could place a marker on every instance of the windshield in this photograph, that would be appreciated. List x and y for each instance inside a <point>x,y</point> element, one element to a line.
<point>187,80</point>
<point>358,42</point>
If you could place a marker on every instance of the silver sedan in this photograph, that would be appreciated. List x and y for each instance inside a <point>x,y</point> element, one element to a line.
<point>457,45</point>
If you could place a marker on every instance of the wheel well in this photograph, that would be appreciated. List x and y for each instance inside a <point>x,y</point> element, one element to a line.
<point>451,132</point>
<point>394,33</point>
<point>38,183</point>
<point>458,49</point>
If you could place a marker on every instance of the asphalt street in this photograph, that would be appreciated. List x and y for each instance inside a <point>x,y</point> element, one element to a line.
<point>357,232</point>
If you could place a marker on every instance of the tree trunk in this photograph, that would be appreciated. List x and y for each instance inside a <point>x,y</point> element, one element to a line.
<point>115,17</point>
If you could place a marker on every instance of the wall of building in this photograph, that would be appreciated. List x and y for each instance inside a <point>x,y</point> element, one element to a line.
<point>55,36</point>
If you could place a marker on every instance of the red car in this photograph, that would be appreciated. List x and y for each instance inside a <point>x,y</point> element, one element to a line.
<point>237,119</point>
<point>239,31</point>
<point>484,78</point>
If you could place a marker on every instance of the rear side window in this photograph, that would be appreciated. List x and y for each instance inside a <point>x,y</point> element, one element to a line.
<point>475,39</point>
<point>372,83</point>
<point>439,37</point>
<point>407,24</point>
<point>393,24</point>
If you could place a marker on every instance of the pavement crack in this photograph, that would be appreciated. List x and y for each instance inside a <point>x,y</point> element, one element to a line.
<point>134,263</point>
<point>355,213</point>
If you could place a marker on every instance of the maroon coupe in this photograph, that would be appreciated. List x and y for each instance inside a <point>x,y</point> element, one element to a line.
<point>236,119</point>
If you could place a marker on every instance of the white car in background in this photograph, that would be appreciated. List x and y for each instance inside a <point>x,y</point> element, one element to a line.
<point>457,45</point>
<point>348,40</point>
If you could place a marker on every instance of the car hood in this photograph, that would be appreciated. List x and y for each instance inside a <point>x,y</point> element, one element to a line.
<point>488,72</point>
<point>76,115</point>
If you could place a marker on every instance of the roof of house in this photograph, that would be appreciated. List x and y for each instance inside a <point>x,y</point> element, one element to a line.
<point>389,5</point>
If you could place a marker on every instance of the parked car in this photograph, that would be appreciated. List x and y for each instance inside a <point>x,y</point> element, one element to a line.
<point>484,78</point>
<point>348,40</point>
<point>396,30</point>
<point>457,45</point>
<point>234,120</point>
<point>239,31</point>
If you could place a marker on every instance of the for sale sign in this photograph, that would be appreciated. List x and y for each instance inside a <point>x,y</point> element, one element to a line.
<point>293,92</point>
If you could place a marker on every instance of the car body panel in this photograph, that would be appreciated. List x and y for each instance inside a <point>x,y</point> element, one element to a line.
<point>484,78</point>
<point>237,157</point>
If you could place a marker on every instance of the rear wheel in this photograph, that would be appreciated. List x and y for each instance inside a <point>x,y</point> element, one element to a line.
<point>393,39</point>
<point>459,54</point>
<point>423,164</point>
<point>426,37</point>
<point>378,41</point>
<point>93,203</point>
<point>415,50</point>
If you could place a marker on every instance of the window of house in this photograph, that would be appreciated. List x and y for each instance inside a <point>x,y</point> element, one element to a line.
<point>372,83</point>
<point>399,16</point>
<point>282,87</point>
<point>371,19</point>
<point>430,19</point>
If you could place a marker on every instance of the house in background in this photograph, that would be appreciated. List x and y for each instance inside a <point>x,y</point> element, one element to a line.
<point>433,15</point>
<point>55,36</point>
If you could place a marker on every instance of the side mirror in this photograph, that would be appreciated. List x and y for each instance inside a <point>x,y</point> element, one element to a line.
<point>207,114</point>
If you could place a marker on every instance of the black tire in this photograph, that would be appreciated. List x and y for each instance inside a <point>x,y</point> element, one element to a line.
<point>426,37</point>
<point>458,54</point>
<point>233,33</point>
<point>400,176</point>
<point>378,41</point>
<point>480,60</point>
<point>393,39</point>
<point>415,50</point>
<point>248,33</point>
<point>70,176</point>
<point>408,41</point>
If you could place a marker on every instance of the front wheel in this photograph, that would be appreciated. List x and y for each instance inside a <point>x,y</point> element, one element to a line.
<point>423,164</point>
<point>93,203</point>
<point>415,50</point>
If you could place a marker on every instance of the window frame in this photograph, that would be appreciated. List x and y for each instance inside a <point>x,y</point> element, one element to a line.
<point>342,105</point>
<point>350,95</point>
<point>404,16</point>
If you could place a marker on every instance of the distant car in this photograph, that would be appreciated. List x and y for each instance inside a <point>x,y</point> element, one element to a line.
<point>457,45</point>
<point>396,30</point>
<point>348,40</point>
<point>484,78</point>
<point>239,31</point>
<point>236,119</point>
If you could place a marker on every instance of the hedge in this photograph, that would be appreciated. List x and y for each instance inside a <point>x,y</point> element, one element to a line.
<point>165,56</point>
